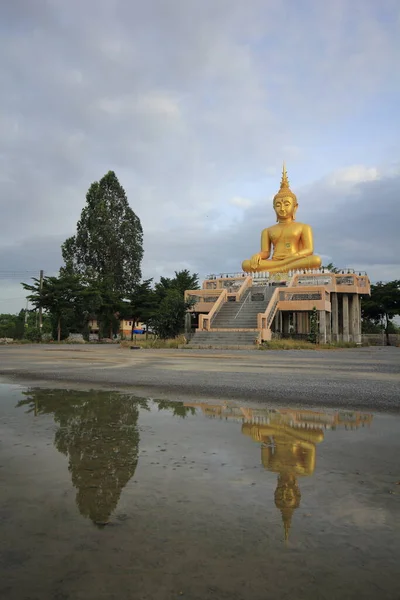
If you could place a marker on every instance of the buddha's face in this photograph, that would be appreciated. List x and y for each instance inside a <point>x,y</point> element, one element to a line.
<point>285,208</point>
<point>287,493</point>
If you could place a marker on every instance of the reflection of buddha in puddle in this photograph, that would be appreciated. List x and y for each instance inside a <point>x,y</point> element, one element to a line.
<point>290,452</point>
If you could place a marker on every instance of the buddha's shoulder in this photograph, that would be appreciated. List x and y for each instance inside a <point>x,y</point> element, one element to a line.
<point>301,224</point>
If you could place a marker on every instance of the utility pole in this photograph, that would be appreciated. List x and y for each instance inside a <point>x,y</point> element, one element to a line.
<point>40,308</point>
<point>26,315</point>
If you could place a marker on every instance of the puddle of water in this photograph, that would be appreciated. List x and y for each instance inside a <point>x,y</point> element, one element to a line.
<point>104,495</point>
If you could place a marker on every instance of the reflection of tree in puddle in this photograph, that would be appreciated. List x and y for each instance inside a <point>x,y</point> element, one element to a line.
<point>98,432</point>
<point>288,443</point>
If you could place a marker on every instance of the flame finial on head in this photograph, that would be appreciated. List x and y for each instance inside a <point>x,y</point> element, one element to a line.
<point>284,190</point>
<point>284,180</point>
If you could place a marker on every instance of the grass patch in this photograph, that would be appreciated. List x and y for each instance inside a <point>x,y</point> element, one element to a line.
<point>291,344</point>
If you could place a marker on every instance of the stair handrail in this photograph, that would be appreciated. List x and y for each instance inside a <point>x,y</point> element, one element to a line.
<point>205,320</point>
<point>266,317</point>
<point>264,320</point>
<point>247,282</point>
<point>243,303</point>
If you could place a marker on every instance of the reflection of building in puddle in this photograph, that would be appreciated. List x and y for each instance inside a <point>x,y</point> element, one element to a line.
<point>288,440</point>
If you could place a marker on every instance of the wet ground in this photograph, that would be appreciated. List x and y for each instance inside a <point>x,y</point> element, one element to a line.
<point>366,378</point>
<point>105,495</point>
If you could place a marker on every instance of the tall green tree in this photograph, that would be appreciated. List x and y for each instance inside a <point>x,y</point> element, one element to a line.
<point>383,305</point>
<point>183,280</point>
<point>108,245</point>
<point>142,305</point>
<point>169,320</point>
<point>67,298</point>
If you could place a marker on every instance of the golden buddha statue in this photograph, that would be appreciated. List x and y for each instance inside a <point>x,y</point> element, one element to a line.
<point>292,242</point>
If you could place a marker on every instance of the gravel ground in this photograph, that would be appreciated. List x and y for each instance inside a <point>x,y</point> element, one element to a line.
<point>366,378</point>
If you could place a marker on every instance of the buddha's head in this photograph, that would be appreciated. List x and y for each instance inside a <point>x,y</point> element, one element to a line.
<point>285,201</point>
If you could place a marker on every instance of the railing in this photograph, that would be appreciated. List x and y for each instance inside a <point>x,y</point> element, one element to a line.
<point>362,282</point>
<point>319,279</point>
<point>247,299</point>
<point>264,320</point>
<point>205,320</point>
<point>299,296</point>
<point>333,281</point>
<point>266,275</point>
<point>234,286</point>
<point>290,294</point>
<point>245,285</point>
<point>345,280</point>
<point>202,295</point>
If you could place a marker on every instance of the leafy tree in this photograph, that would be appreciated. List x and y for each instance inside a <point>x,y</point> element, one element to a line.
<point>178,408</point>
<point>108,245</point>
<point>142,304</point>
<point>61,296</point>
<point>383,305</point>
<point>182,281</point>
<point>8,326</point>
<point>169,320</point>
<point>106,306</point>
<point>330,267</point>
<point>313,336</point>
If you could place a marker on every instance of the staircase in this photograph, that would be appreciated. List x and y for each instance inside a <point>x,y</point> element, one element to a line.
<point>223,339</point>
<point>233,316</point>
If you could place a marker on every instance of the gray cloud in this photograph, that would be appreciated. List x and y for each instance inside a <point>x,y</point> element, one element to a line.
<point>191,104</point>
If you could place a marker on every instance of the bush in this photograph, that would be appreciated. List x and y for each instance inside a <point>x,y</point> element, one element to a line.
<point>290,344</point>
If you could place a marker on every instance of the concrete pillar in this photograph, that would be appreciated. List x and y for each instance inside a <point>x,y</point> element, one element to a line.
<point>276,322</point>
<point>188,324</point>
<point>355,319</point>
<point>328,328</point>
<point>303,327</point>
<point>345,314</point>
<point>322,327</point>
<point>285,318</point>
<point>335,316</point>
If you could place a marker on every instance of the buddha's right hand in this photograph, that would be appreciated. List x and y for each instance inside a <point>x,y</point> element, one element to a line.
<point>255,261</point>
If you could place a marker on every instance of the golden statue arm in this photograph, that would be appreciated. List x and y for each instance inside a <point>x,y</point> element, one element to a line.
<point>265,250</point>
<point>265,244</point>
<point>307,242</point>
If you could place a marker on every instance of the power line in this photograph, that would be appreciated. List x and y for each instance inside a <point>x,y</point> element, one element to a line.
<point>18,298</point>
<point>22,271</point>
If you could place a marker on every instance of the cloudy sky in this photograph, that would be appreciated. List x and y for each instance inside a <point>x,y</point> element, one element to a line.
<point>194,104</point>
